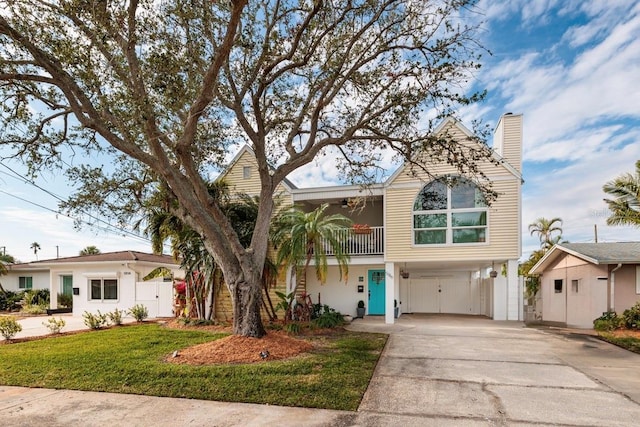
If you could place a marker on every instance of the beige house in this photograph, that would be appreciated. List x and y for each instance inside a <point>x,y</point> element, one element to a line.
<point>431,241</point>
<point>580,281</point>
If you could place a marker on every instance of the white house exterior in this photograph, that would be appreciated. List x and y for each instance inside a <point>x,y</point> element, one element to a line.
<point>107,281</point>
<point>432,242</point>
<point>22,277</point>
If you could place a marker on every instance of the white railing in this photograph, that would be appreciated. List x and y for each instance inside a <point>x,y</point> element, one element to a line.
<point>357,242</point>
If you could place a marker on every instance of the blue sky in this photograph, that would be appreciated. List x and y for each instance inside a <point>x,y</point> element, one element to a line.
<point>572,68</point>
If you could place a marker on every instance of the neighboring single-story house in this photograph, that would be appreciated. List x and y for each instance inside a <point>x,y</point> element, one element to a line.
<point>429,243</point>
<point>580,281</point>
<point>104,281</point>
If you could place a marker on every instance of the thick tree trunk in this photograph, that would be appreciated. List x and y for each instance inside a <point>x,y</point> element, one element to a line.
<point>247,301</point>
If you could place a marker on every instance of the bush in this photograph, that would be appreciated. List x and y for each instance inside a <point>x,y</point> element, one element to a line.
<point>94,321</point>
<point>631,317</point>
<point>10,300</point>
<point>329,318</point>
<point>608,321</point>
<point>115,316</point>
<point>65,300</point>
<point>55,326</point>
<point>293,328</point>
<point>139,312</point>
<point>36,297</point>
<point>9,327</point>
<point>35,301</point>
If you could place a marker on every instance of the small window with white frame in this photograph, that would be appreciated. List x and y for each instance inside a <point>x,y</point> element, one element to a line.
<point>103,289</point>
<point>246,172</point>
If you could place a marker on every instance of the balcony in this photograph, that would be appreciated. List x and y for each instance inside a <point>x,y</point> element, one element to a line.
<point>360,242</point>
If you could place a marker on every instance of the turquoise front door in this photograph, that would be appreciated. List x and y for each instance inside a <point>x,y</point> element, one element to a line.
<point>376,292</point>
<point>67,285</point>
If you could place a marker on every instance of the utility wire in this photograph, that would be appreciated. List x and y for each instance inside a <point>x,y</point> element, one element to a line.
<point>111,228</point>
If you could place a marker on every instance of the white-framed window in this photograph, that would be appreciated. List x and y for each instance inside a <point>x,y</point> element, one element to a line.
<point>25,282</point>
<point>103,289</point>
<point>246,172</point>
<point>450,210</point>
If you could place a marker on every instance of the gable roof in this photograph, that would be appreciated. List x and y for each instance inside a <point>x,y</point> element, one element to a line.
<point>246,149</point>
<point>594,253</point>
<point>120,256</point>
<point>450,121</point>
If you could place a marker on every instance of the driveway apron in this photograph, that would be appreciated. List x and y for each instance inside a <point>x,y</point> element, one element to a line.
<point>462,370</point>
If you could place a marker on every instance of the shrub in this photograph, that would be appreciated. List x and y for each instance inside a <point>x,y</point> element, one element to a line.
<point>65,300</point>
<point>608,321</point>
<point>34,308</point>
<point>631,317</point>
<point>293,328</point>
<point>329,318</point>
<point>94,321</point>
<point>9,327</point>
<point>10,300</point>
<point>36,297</point>
<point>55,326</point>
<point>139,312</point>
<point>115,316</point>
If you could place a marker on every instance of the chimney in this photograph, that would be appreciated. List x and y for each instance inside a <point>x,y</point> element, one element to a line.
<point>507,139</point>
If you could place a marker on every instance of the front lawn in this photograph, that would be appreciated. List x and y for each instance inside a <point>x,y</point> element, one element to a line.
<point>130,359</point>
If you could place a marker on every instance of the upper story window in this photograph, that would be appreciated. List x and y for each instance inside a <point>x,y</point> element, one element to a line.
<point>246,172</point>
<point>450,210</point>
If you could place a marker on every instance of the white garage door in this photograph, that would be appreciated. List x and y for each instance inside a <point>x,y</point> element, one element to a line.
<point>455,295</point>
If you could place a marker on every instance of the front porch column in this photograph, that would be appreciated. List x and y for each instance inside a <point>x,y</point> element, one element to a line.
<point>54,281</point>
<point>391,284</point>
<point>514,292</point>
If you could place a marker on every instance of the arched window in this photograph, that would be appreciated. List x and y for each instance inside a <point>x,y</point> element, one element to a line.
<point>449,210</point>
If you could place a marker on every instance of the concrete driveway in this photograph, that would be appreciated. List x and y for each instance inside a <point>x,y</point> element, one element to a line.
<point>435,370</point>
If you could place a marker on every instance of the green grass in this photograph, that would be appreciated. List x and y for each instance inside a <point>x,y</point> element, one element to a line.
<point>130,360</point>
<point>627,342</point>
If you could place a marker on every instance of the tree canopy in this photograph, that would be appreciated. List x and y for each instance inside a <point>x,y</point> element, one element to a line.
<point>158,92</point>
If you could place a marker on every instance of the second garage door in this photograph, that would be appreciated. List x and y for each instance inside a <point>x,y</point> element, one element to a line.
<point>455,295</point>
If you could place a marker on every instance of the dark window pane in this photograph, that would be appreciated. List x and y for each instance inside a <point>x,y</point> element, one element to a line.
<point>430,237</point>
<point>430,221</point>
<point>469,219</point>
<point>432,197</point>
<point>469,235</point>
<point>110,289</point>
<point>96,289</point>
<point>466,195</point>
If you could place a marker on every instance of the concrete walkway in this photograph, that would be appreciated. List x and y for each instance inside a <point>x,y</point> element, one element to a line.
<point>435,370</point>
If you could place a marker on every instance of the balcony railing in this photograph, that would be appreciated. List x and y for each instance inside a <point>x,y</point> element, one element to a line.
<point>360,242</point>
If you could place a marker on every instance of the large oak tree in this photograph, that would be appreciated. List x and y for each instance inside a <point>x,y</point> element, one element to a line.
<point>165,87</point>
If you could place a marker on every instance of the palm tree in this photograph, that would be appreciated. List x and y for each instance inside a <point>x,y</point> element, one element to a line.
<point>90,250</point>
<point>545,228</point>
<point>300,237</point>
<point>36,247</point>
<point>625,207</point>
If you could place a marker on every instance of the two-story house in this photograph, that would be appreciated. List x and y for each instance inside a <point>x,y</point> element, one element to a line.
<point>433,245</point>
